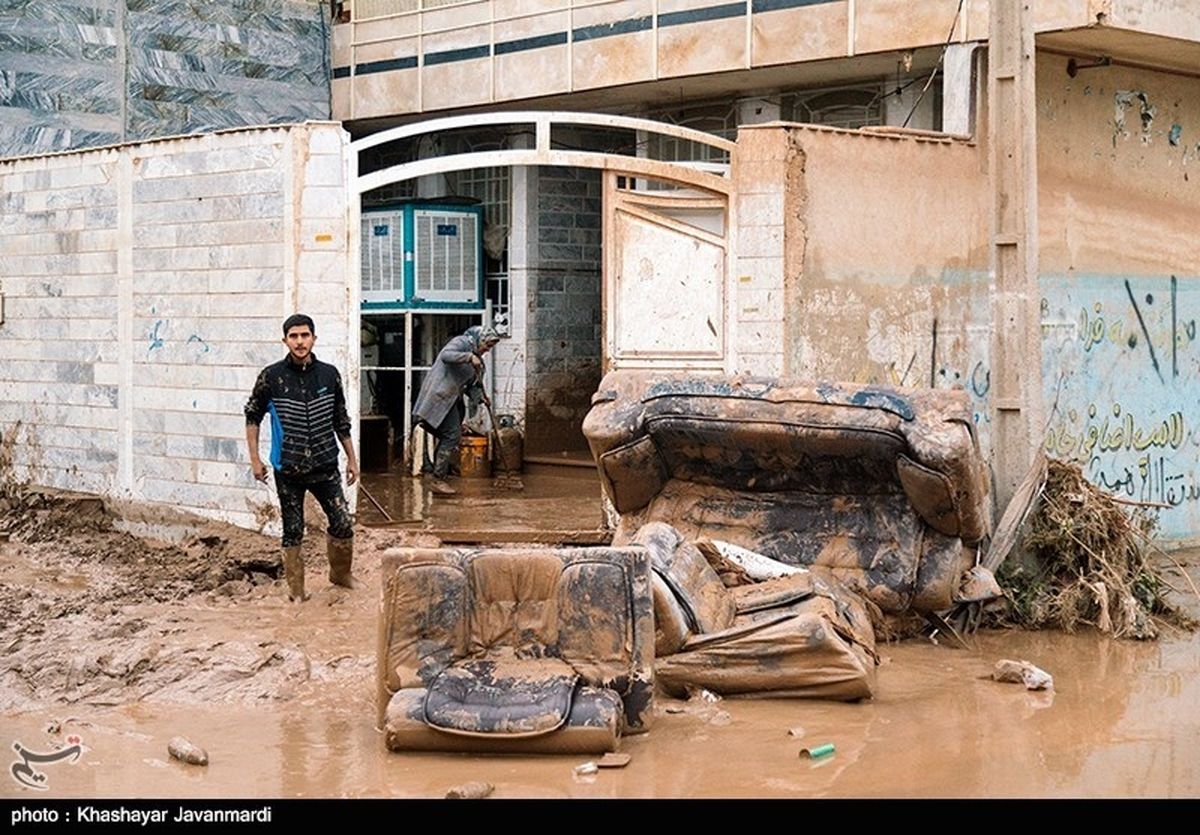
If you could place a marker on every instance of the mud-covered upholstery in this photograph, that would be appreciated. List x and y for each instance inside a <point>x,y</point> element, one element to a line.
<point>515,650</point>
<point>882,486</point>
<point>802,635</point>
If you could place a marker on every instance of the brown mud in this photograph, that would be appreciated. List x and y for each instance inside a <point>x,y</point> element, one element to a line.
<point>129,642</point>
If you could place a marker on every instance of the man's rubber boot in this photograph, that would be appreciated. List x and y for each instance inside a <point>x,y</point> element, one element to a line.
<point>341,556</point>
<point>293,570</point>
<point>439,487</point>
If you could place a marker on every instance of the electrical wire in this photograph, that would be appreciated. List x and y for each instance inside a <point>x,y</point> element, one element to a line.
<point>900,88</point>
<point>941,58</point>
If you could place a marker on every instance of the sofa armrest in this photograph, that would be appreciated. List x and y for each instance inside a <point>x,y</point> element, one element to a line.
<point>423,618</point>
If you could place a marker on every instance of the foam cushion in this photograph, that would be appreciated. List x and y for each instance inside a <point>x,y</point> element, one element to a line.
<point>502,695</point>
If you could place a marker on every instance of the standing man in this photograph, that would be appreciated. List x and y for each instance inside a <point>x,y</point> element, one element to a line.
<point>439,408</point>
<point>307,405</point>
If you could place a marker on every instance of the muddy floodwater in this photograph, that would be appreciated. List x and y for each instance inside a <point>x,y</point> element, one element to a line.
<point>281,697</point>
<point>1122,721</point>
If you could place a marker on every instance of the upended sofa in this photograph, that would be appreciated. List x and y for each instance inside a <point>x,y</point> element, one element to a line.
<point>885,488</point>
<point>515,650</point>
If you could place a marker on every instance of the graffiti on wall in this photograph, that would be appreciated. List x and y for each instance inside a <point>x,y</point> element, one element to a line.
<point>975,377</point>
<point>934,336</point>
<point>1121,367</point>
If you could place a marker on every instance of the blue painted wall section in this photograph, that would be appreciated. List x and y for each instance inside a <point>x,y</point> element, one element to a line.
<point>1121,373</point>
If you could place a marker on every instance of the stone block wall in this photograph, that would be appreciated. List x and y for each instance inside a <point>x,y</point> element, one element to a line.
<point>144,288</point>
<point>60,75</point>
<point>59,408</point>
<point>564,308</point>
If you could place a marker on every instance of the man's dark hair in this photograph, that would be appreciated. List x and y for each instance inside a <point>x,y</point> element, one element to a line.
<point>296,320</point>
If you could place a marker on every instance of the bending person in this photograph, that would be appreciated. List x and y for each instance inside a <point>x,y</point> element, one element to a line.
<point>439,409</point>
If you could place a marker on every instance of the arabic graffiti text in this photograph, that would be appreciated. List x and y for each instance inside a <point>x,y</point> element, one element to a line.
<point>1151,479</point>
<point>1113,430</point>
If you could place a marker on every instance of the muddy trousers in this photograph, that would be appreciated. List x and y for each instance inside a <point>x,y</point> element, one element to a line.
<point>326,487</point>
<point>448,434</point>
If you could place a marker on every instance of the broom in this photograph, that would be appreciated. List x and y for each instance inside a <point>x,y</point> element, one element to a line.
<point>506,479</point>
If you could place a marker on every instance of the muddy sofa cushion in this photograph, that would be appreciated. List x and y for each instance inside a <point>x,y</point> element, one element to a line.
<point>772,434</point>
<point>773,593</point>
<point>874,545</point>
<point>514,599</point>
<point>502,694</point>
<point>423,615</point>
<point>594,725</point>
<point>795,654</point>
<point>848,612</point>
<point>672,626</point>
<point>606,625</point>
<point>799,635</point>
<point>704,602</point>
<point>637,473</point>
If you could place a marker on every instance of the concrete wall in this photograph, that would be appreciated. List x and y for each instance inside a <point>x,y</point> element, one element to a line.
<point>493,51</point>
<point>1119,177</point>
<point>1170,18</point>
<point>866,257</point>
<point>143,290</point>
<point>765,171</point>
<point>863,257</point>
<point>82,73</point>
<point>563,297</point>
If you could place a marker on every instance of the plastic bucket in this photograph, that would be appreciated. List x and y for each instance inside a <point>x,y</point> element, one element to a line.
<point>474,459</point>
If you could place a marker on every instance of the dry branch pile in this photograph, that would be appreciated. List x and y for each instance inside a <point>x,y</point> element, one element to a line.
<point>1091,564</point>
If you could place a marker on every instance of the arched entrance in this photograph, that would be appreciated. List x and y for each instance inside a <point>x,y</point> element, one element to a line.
<point>662,298</point>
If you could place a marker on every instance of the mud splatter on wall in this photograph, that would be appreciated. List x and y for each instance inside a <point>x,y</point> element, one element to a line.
<point>893,284</point>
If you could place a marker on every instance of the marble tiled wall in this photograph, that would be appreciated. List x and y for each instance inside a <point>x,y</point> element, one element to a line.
<point>60,75</point>
<point>143,290</point>
<point>83,73</point>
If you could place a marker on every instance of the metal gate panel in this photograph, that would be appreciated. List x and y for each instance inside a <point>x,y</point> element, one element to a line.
<point>666,259</point>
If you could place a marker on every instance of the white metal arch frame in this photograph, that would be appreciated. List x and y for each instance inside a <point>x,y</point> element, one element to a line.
<point>704,175</point>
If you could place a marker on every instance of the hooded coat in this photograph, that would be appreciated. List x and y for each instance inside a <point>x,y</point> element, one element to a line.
<point>450,377</point>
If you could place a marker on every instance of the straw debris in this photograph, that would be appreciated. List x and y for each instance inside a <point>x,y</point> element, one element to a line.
<point>1090,564</point>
